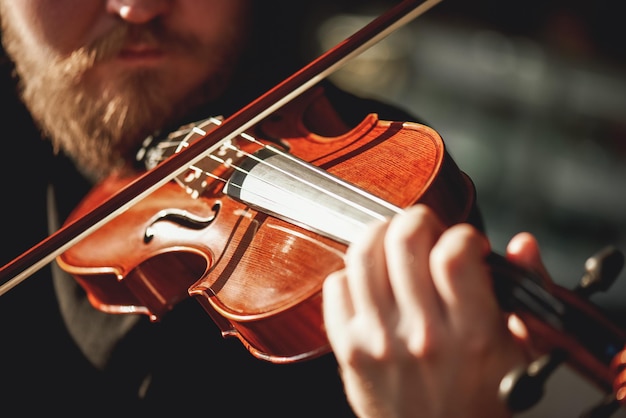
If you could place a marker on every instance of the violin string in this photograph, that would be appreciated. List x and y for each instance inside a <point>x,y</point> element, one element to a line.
<point>316,170</point>
<point>183,143</point>
<point>321,172</point>
<point>198,130</point>
<point>246,172</point>
<point>308,183</point>
<point>311,168</point>
<point>304,164</point>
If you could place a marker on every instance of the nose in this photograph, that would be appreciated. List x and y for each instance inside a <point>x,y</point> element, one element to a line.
<point>138,11</point>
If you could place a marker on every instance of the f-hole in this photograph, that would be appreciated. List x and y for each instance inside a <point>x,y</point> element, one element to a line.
<point>180,217</point>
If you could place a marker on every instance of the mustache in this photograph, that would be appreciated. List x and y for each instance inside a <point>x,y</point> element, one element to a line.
<point>109,45</point>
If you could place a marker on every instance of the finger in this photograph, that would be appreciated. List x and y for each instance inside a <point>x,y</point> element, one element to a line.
<point>523,250</point>
<point>408,243</point>
<point>367,278</point>
<point>524,338</point>
<point>337,307</point>
<point>462,277</point>
<point>518,328</point>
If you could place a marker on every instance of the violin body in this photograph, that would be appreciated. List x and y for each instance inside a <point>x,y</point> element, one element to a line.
<point>259,276</point>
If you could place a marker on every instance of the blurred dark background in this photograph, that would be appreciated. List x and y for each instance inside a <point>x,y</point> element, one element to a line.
<point>530,98</point>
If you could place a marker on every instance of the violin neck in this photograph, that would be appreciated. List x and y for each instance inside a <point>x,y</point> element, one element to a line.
<point>560,318</point>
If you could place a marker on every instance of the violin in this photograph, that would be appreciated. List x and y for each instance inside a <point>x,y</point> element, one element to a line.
<point>249,214</point>
<point>264,222</point>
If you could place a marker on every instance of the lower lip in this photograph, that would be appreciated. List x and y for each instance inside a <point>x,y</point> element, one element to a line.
<point>140,57</point>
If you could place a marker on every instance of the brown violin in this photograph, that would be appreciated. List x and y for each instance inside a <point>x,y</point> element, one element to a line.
<point>253,230</point>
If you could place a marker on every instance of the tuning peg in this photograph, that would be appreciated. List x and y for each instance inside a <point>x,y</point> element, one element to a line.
<point>523,386</point>
<point>601,271</point>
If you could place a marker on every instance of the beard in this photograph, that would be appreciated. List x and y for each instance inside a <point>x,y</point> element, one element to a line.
<point>101,125</point>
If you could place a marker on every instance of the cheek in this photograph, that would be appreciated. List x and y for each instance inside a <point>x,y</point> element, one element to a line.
<point>62,25</point>
<point>212,20</point>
